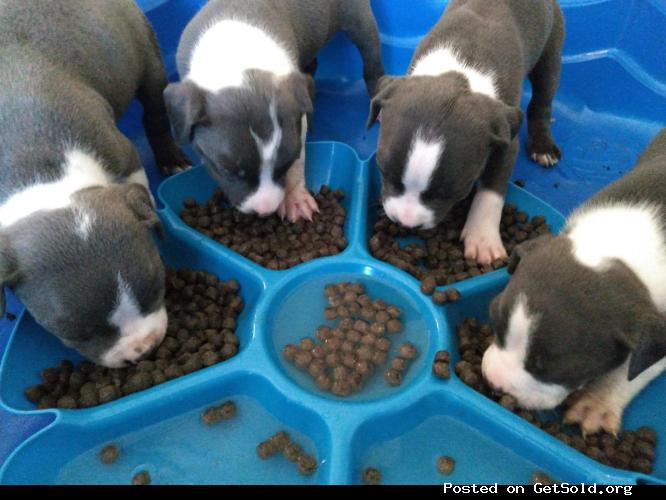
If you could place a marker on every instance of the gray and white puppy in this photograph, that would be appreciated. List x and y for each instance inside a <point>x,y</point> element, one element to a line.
<point>453,120</point>
<point>75,214</point>
<point>247,89</point>
<point>586,308</point>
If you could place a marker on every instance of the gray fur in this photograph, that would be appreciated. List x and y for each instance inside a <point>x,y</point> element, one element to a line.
<point>590,321</point>
<point>219,125</point>
<point>511,38</point>
<point>68,70</point>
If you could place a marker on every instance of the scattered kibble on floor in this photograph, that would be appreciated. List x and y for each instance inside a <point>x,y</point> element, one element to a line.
<point>372,476</point>
<point>109,454</point>
<point>631,450</point>
<point>203,312</point>
<point>270,241</point>
<point>439,260</point>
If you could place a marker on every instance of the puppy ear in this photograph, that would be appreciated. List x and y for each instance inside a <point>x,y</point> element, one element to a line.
<point>385,87</point>
<point>523,249</point>
<point>650,330</point>
<point>8,270</point>
<point>138,199</point>
<point>302,87</point>
<point>186,107</point>
<point>505,125</point>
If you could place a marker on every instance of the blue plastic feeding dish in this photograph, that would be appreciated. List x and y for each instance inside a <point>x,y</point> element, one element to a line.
<point>611,101</point>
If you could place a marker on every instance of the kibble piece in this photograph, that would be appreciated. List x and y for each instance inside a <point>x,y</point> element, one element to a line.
<point>266,449</point>
<point>440,369</point>
<point>440,297</point>
<point>280,440</point>
<point>34,393</point>
<point>399,364</point>
<point>508,402</point>
<point>452,295</point>
<point>540,477</point>
<point>394,326</point>
<point>109,454</point>
<point>211,416</point>
<point>67,402</point>
<point>445,465</point>
<point>428,285</point>
<point>228,410</point>
<point>372,476</point>
<point>393,377</point>
<point>141,478</point>
<point>307,465</point>
<point>408,351</point>
<point>442,356</point>
<point>292,451</point>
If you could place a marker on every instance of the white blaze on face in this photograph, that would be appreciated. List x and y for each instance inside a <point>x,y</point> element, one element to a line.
<point>138,333</point>
<point>422,160</point>
<point>504,367</point>
<point>268,196</point>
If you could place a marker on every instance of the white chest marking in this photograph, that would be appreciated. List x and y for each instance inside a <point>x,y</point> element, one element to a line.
<point>81,170</point>
<point>445,59</point>
<point>422,160</point>
<point>228,48</point>
<point>633,234</point>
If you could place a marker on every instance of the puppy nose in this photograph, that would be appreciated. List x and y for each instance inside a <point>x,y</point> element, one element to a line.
<point>409,218</point>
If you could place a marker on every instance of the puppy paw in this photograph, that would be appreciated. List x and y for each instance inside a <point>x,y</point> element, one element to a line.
<point>298,204</point>
<point>174,163</point>
<point>544,151</point>
<point>594,413</point>
<point>483,245</point>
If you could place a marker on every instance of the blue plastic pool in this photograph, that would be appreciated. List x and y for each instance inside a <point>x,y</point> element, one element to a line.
<point>612,100</point>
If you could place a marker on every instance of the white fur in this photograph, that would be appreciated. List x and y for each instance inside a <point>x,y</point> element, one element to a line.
<point>602,402</point>
<point>481,232</point>
<point>138,177</point>
<point>228,48</point>
<point>422,160</point>
<point>504,367</point>
<point>138,333</point>
<point>633,234</point>
<point>84,220</point>
<point>268,196</point>
<point>445,59</point>
<point>81,170</point>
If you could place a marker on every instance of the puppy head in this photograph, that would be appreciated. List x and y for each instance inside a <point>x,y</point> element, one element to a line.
<point>435,139</point>
<point>91,273</point>
<point>559,324</point>
<point>247,136</point>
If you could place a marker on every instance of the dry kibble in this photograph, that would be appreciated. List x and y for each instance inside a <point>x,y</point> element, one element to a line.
<point>540,477</point>
<point>408,351</point>
<point>394,326</point>
<point>266,449</point>
<point>141,478</point>
<point>211,416</point>
<point>307,465</point>
<point>292,451</point>
<point>372,476</point>
<point>109,454</point>
<point>440,369</point>
<point>393,377</point>
<point>445,465</point>
<point>399,364</point>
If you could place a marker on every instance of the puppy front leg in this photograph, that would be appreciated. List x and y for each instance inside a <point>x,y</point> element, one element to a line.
<point>481,232</point>
<point>602,403</point>
<point>298,202</point>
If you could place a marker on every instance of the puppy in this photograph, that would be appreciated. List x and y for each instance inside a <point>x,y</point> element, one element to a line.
<point>586,309</point>
<point>247,89</point>
<point>76,243</point>
<point>453,120</point>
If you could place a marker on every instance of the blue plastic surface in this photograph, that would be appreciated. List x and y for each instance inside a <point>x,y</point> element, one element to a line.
<point>611,102</point>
